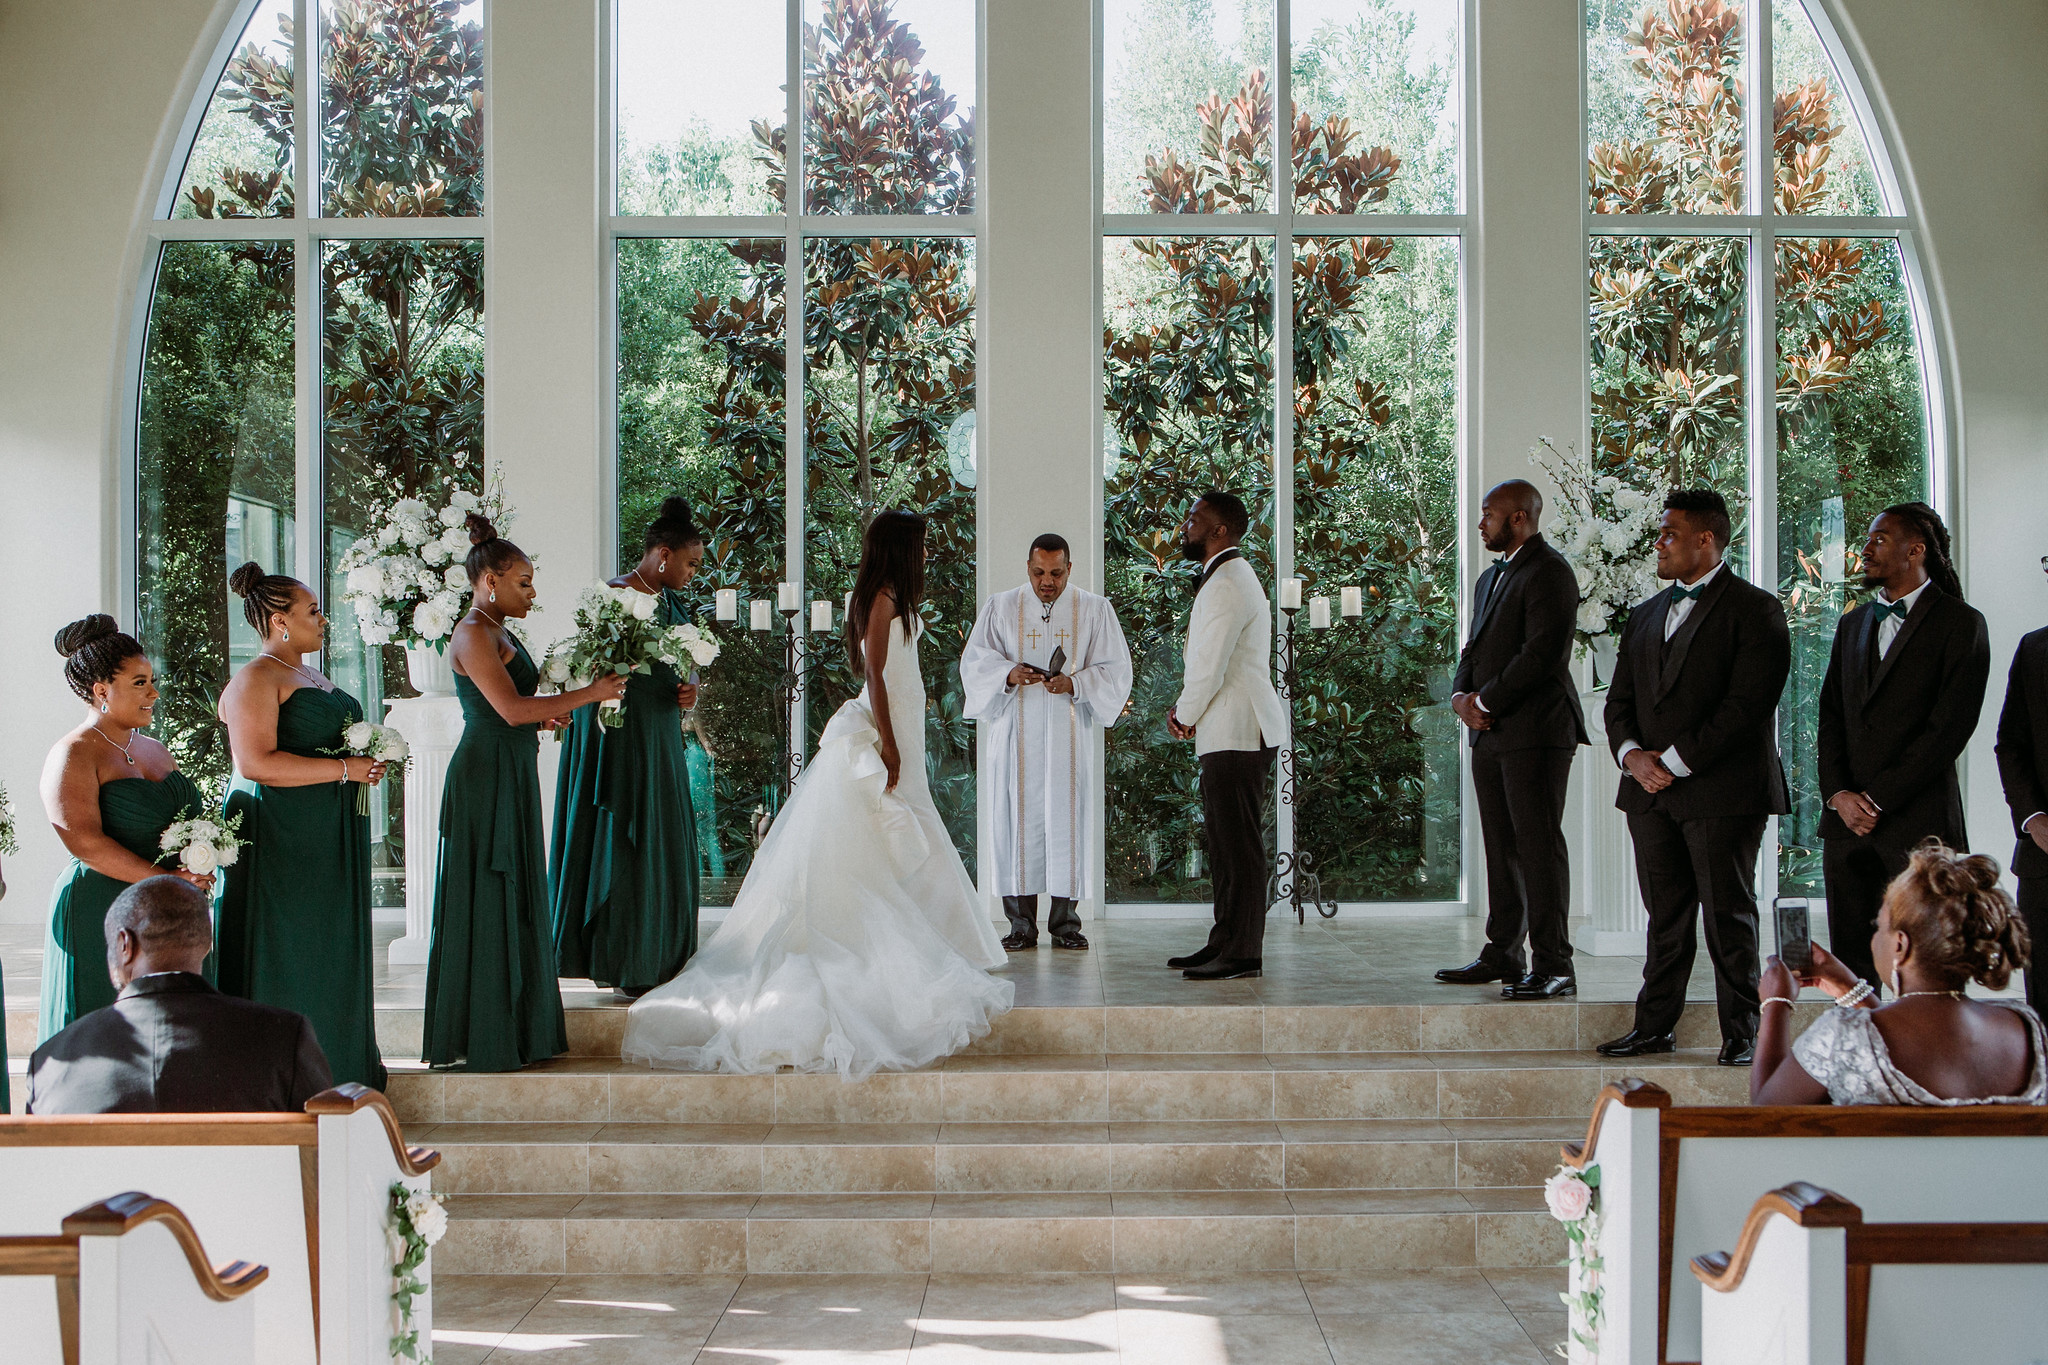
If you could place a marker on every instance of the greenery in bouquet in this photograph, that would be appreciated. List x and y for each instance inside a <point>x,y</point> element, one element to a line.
<point>10,842</point>
<point>616,633</point>
<point>1605,523</point>
<point>405,577</point>
<point>202,846</point>
<point>379,744</point>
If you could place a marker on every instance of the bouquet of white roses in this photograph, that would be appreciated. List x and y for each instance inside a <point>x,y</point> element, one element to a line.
<point>379,744</point>
<point>616,633</point>
<point>1607,529</point>
<point>202,846</point>
<point>404,578</point>
<point>10,844</point>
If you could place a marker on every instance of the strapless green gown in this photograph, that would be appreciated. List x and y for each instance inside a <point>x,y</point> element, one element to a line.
<point>134,812</point>
<point>492,998</point>
<point>622,874</point>
<point>295,908</point>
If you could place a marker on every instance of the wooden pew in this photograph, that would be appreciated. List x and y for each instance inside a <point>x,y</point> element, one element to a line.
<point>1673,1181</point>
<point>126,1280</point>
<point>307,1194</point>
<point>1797,1288</point>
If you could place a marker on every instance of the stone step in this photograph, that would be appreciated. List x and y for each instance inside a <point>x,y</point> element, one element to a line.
<point>994,1158</point>
<point>1074,1088</point>
<point>1133,1232</point>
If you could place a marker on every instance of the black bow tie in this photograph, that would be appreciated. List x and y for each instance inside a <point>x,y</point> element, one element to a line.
<point>1893,609</point>
<point>1681,593</point>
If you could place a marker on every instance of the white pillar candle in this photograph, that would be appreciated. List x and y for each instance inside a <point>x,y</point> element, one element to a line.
<point>1290,593</point>
<point>788,597</point>
<point>821,616</point>
<point>728,604</point>
<point>1319,613</point>
<point>1352,600</point>
<point>763,614</point>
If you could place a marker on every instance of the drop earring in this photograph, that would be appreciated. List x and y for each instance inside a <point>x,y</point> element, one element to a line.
<point>287,635</point>
<point>494,596</point>
<point>1895,983</point>
<point>103,708</point>
<point>663,568</point>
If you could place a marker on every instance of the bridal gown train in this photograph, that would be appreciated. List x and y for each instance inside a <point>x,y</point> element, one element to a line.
<point>857,942</point>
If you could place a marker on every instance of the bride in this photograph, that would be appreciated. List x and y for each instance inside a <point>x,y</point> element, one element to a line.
<point>856,943</point>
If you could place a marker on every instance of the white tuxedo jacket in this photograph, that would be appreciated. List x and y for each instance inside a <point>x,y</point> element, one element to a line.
<point>1227,668</point>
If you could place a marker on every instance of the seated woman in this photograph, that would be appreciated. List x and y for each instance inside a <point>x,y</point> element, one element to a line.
<point>1944,923</point>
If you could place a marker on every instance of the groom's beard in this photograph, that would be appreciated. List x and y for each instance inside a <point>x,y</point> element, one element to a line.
<point>1193,551</point>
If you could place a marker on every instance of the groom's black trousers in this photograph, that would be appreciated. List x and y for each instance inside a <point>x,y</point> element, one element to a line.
<point>1235,785</point>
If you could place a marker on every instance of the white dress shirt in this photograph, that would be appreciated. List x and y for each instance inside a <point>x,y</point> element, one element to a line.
<point>1674,617</point>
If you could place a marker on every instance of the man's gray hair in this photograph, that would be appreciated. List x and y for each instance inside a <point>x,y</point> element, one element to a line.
<point>161,912</point>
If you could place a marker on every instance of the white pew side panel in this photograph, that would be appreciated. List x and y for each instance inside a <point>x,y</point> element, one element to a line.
<point>139,1304</point>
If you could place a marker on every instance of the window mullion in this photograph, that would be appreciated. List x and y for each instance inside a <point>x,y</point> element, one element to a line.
<point>310,485</point>
<point>793,355</point>
<point>1283,388</point>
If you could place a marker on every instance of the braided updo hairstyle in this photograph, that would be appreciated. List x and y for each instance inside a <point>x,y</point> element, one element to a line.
<point>95,650</point>
<point>263,595</point>
<point>1926,523</point>
<point>1962,924</point>
<point>488,551</point>
<point>673,528</point>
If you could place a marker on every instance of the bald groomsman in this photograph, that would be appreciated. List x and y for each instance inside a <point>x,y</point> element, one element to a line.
<point>1045,665</point>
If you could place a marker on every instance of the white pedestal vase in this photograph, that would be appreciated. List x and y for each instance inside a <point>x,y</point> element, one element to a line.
<point>1613,900</point>
<point>432,726</point>
<point>429,670</point>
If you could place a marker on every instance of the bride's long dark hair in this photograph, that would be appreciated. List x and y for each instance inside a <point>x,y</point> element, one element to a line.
<point>891,561</point>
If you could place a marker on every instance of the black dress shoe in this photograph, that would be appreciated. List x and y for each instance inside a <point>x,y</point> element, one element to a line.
<point>1634,1044</point>
<point>1738,1052</point>
<point>1069,941</point>
<point>1224,969</point>
<point>1534,987</point>
<point>1202,957</point>
<point>1017,943</point>
<point>1477,972</point>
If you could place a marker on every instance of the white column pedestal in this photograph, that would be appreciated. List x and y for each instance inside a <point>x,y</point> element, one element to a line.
<point>1613,900</point>
<point>432,726</point>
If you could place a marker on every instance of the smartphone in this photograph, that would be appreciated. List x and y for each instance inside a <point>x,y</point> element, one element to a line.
<point>1795,946</point>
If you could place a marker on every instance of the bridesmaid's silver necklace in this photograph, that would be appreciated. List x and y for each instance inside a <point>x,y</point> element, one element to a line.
<point>652,591</point>
<point>312,678</point>
<point>124,748</point>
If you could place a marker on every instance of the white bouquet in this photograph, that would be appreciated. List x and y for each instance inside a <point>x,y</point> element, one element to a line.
<point>1607,528</point>
<point>379,744</point>
<point>404,578</point>
<point>616,633</point>
<point>10,844</point>
<point>202,846</point>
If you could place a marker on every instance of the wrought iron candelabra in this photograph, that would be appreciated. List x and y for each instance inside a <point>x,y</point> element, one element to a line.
<point>1294,878</point>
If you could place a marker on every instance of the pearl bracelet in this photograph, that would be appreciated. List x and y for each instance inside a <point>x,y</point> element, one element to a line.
<point>1850,999</point>
<point>1785,1000</point>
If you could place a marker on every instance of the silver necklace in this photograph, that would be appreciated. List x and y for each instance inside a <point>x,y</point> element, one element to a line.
<point>124,748</point>
<point>652,591</point>
<point>1908,995</point>
<point>498,621</point>
<point>308,674</point>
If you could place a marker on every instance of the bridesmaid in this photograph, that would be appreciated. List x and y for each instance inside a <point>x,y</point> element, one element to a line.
<point>295,907</point>
<point>110,790</point>
<point>623,870</point>
<point>492,999</point>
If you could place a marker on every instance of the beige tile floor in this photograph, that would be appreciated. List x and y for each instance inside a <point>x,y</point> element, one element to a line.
<point>1470,1317</point>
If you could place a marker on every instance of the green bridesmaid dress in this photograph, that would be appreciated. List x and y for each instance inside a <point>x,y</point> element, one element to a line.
<point>295,908</point>
<point>134,812</point>
<point>492,999</point>
<point>623,870</point>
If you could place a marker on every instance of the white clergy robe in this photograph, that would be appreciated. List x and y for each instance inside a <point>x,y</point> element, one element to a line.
<point>1040,746</point>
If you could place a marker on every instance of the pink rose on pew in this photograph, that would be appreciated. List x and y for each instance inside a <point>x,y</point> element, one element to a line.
<point>1568,1196</point>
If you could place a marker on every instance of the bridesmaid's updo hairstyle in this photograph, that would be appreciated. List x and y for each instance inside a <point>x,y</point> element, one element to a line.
<point>489,552</point>
<point>95,650</point>
<point>672,529</point>
<point>1962,924</point>
<point>263,595</point>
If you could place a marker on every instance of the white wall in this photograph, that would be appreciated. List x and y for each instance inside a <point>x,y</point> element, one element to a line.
<point>1962,79</point>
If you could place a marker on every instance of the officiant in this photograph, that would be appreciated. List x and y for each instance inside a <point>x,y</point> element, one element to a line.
<point>1046,663</point>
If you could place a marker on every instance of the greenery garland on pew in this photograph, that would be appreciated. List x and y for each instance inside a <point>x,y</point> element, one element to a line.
<point>1572,1196</point>
<point>417,1222</point>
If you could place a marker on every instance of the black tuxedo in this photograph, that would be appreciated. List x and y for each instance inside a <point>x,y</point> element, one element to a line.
<point>1710,693</point>
<point>1518,663</point>
<point>2023,769</point>
<point>172,1044</point>
<point>1893,728</point>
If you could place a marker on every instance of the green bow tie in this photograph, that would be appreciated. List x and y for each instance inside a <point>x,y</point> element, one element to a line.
<point>1681,593</point>
<point>1884,609</point>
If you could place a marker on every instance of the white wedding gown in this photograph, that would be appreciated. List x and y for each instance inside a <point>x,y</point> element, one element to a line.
<point>857,942</point>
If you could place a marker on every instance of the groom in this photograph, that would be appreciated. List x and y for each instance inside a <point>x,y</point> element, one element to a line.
<point>1228,707</point>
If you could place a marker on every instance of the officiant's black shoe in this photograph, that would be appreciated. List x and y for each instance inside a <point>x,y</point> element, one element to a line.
<point>1069,941</point>
<point>1738,1052</point>
<point>1017,943</point>
<point>1534,987</point>
<point>1477,972</point>
<point>1634,1044</point>
<point>1201,957</point>
<point>1224,969</point>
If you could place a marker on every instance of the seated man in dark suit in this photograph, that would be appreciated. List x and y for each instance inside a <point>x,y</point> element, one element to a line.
<point>170,1043</point>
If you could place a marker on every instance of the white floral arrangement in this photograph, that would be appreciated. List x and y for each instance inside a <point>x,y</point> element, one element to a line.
<point>1606,526</point>
<point>10,842</point>
<point>615,633</point>
<point>379,744</point>
<point>1571,1195</point>
<point>201,846</point>
<point>417,1222</point>
<point>405,578</point>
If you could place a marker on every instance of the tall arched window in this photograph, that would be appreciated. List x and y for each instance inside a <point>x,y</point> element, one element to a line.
<point>1317,141</point>
<point>299,367</point>
<point>710,201</point>
<point>1697,254</point>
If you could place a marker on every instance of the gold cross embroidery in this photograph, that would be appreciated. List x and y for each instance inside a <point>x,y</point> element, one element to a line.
<point>1033,636</point>
<point>1062,637</point>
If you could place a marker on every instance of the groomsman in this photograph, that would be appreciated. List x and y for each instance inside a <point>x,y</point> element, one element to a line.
<point>2023,768</point>
<point>1515,693</point>
<point>1904,688</point>
<point>1228,707</point>
<point>1690,719</point>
